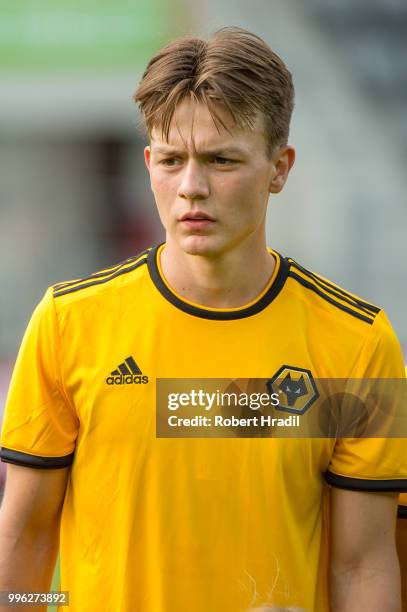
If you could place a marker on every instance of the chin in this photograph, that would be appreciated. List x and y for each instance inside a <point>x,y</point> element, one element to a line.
<point>200,245</point>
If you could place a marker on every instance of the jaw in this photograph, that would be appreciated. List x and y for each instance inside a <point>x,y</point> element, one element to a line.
<point>199,244</point>
<point>213,244</point>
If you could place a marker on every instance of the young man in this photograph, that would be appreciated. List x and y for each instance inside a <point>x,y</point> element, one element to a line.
<point>156,523</point>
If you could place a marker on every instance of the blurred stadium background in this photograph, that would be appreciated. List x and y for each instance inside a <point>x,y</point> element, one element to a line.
<point>74,193</point>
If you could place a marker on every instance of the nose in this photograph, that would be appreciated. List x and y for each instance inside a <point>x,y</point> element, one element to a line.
<point>194,184</point>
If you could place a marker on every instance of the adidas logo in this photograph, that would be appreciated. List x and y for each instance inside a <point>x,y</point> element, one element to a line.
<point>127,373</point>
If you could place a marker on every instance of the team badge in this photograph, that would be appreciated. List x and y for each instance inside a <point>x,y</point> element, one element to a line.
<point>296,389</point>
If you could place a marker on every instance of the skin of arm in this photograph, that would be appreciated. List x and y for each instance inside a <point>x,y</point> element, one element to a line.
<point>364,572</point>
<point>29,529</point>
<point>401,540</point>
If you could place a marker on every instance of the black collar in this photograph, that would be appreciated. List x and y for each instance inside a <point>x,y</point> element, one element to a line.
<point>215,314</point>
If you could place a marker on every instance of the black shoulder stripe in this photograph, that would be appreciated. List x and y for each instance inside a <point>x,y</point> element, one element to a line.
<point>341,295</point>
<point>105,272</point>
<point>34,461</point>
<point>402,512</point>
<point>362,484</point>
<point>361,303</point>
<point>326,297</point>
<point>326,283</point>
<point>106,279</point>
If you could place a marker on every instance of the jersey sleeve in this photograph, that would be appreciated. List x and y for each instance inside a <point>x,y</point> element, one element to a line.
<point>376,463</point>
<point>40,425</point>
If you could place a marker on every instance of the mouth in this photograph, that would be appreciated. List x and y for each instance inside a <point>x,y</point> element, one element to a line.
<point>196,215</point>
<point>197,220</point>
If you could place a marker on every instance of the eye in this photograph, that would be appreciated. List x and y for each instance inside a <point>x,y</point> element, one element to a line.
<point>169,161</point>
<point>222,161</point>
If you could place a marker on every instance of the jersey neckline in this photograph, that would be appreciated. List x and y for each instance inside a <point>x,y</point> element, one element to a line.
<point>269,293</point>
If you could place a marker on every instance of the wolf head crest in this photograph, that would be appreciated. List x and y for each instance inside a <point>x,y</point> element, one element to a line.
<point>293,389</point>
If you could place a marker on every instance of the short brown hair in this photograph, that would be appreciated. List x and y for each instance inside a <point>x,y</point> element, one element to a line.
<point>234,68</point>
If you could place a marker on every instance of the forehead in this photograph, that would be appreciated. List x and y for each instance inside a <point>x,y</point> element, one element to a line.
<point>193,128</point>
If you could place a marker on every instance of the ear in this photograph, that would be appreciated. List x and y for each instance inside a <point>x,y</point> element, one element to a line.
<point>283,161</point>
<point>147,156</point>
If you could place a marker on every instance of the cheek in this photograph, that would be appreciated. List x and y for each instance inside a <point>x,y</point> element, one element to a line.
<point>247,183</point>
<point>247,199</point>
<point>159,183</point>
<point>163,189</point>
<point>232,190</point>
<point>245,194</point>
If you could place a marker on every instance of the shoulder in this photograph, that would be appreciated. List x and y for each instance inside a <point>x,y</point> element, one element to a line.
<point>328,297</point>
<point>348,328</point>
<point>101,282</point>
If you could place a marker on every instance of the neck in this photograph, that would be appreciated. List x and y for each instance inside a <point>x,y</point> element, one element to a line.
<point>230,280</point>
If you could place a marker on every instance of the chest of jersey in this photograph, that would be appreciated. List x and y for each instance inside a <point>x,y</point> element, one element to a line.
<point>113,382</point>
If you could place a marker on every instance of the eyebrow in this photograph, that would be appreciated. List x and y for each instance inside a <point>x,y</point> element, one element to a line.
<point>228,150</point>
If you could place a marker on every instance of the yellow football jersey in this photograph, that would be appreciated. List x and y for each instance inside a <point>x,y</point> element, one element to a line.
<point>160,524</point>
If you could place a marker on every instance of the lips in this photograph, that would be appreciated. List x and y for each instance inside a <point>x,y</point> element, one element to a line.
<point>196,216</point>
<point>196,220</point>
<point>197,224</point>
